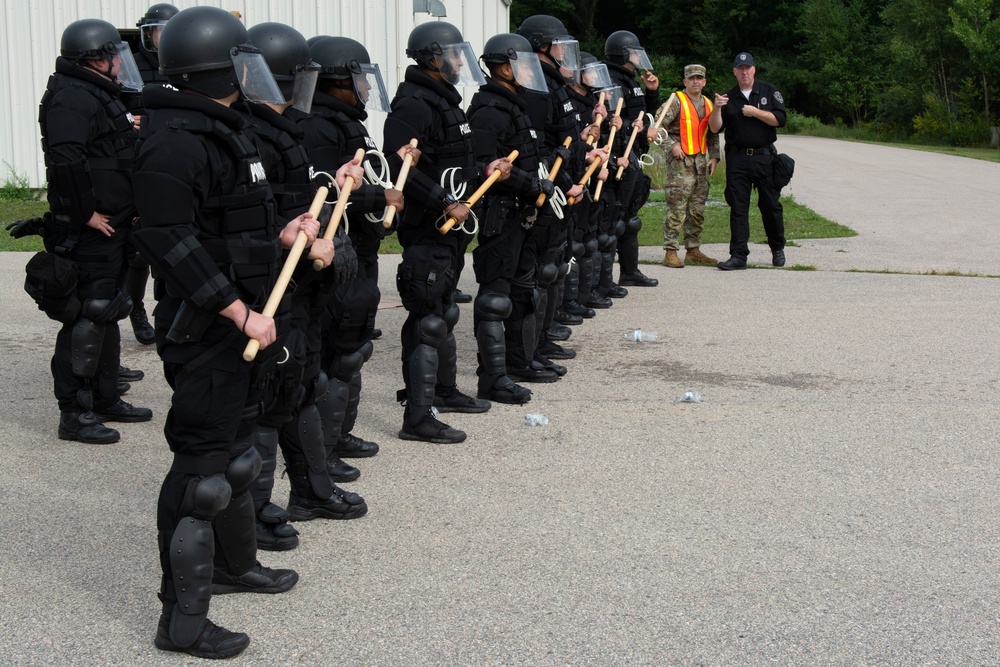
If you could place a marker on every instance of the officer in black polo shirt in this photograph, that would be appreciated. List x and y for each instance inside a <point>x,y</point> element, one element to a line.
<point>750,112</point>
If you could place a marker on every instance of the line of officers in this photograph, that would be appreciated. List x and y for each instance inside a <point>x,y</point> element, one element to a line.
<point>236,130</point>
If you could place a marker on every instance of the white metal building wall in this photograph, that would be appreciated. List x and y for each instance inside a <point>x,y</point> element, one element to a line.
<point>32,31</point>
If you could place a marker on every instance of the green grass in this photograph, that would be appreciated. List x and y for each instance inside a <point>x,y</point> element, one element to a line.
<point>800,221</point>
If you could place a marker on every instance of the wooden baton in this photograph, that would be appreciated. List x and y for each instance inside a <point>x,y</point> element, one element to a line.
<point>450,222</point>
<point>597,160</point>
<point>390,211</point>
<point>338,210</point>
<point>628,150</point>
<point>553,172</point>
<point>281,284</point>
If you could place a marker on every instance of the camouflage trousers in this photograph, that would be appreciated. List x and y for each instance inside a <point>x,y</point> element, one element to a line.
<point>685,190</point>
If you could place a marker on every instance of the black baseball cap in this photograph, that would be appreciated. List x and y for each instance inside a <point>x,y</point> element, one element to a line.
<point>743,59</point>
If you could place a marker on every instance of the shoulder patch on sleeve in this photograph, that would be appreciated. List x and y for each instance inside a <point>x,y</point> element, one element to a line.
<point>777,96</point>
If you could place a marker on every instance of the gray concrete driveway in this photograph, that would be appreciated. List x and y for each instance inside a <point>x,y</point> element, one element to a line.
<point>833,499</point>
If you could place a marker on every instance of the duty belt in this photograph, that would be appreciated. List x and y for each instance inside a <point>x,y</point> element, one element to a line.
<point>754,151</point>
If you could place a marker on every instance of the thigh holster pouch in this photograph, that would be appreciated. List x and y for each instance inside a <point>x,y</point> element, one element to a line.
<point>423,277</point>
<point>50,281</point>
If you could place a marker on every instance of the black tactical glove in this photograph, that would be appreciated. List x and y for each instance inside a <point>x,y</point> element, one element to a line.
<point>544,187</point>
<point>345,259</point>
<point>565,153</point>
<point>21,228</point>
<point>325,213</point>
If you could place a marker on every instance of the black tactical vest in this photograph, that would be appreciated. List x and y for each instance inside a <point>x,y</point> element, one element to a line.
<point>524,138</point>
<point>239,228</point>
<point>113,149</point>
<point>295,192</point>
<point>453,147</point>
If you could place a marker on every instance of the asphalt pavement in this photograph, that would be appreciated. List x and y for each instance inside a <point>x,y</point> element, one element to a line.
<point>831,500</point>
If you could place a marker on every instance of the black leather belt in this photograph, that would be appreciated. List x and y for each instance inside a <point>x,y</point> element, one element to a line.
<point>754,151</point>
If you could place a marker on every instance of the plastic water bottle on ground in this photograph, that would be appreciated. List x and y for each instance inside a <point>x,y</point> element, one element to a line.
<point>535,419</point>
<point>640,336</point>
<point>689,397</point>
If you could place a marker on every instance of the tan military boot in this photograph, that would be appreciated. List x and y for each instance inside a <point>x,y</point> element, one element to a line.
<point>696,256</point>
<point>671,259</point>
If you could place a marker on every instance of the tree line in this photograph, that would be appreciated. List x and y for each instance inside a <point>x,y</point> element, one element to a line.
<point>921,69</point>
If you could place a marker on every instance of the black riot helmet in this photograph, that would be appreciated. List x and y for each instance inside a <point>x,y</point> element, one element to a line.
<point>90,39</point>
<point>158,13</point>
<point>623,47</point>
<point>94,39</point>
<point>541,30</point>
<point>155,18</point>
<point>203,48</point>
<point>313,40</point>
<point>287,54</point>
<point>515,50</point>
<point>344,63</point>
<point>438,46</point>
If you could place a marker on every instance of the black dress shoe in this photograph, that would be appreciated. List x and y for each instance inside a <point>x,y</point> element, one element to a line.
<point>122,387</point>
<point>123,412</point>
<point>617,292</point>
<point>562,317</point>
<point>259,579</point>
<point>733,264</point>
<point>350,446</point>
<point>129,375</point>
<point>637,279</point>
<point>778,257</point>
<point>376,333</point>
<point>85,427</point>
<point>458,296</point>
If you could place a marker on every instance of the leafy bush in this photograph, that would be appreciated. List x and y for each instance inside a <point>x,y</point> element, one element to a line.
<point>16,187</point>
<point>800,124</point>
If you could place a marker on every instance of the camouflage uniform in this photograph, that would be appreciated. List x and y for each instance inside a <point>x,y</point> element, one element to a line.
<point>685,187</point>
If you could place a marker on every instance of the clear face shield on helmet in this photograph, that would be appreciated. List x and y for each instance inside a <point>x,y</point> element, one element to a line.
<point>304,87</point>
<point>149,35</point>
<point>254,76</point>
<point>611,96</point>
<point>528,71</point>
<point>455,62</point>
<point>595,76</point>
<point>638,57</point>
<point>566,53</point>
<point>124,70</point>
<point>369,87</point>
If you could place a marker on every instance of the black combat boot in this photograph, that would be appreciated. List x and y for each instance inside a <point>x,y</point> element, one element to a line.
<point>85,427</point>
<point>214,642</point>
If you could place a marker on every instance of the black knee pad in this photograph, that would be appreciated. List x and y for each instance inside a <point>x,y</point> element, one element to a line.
<point>579,249</point>
<point>619,227</point>
<point>347,364</point>
<point>432,330</point>
<point>561,270</point>
<point>492,307</point>
<point>243,470</point>
<point>547,274</point>
<point>206,497</point>
<point>633,225</point>
<point>451,315</point>
<point>366,351</point>
<point>87,338</point>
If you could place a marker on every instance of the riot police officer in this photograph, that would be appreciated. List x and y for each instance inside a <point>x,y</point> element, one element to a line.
<point>210,232</point>
<point>137,272</point>
<point>88,140</point>
<point>500,124</point>
<point>427,107</point>
<point>625,56</point>
<point>350,87</point>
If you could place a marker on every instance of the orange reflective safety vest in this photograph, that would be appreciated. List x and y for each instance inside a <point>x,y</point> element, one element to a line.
<point>693,130</point>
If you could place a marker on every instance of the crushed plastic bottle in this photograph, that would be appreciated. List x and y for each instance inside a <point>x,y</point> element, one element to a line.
<point>641,336</point>
<point>689,397</point>
<point>535,419</point>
